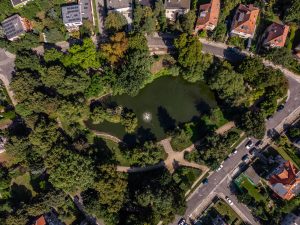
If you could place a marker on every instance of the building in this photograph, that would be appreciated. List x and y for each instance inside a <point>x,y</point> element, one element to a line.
<point>285,181</point>
<point>14,27</point>
<point>175,8</point>
<point>86,8</point>
<point>40,221</point>
<point>146,3</point>
<point>208,16</point>
<point>291,219</point>
<point>19,3</point>
<point>275,35</point>
<point>244,21</point>
<point>72,17</point>
<point>252,175</point>
<point>123,7</point>
<point>218,221</point>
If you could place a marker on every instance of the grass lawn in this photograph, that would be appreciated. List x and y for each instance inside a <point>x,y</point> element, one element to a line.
<point>21,188</point>
<point>252,190</point>
<point>228,213</point>
<point>119,156</point>
<point>288,155</point>
<point>185,177</point>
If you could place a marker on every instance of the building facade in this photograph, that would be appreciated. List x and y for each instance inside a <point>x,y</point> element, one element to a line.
<point>123,7</point>
<point>175,8</point>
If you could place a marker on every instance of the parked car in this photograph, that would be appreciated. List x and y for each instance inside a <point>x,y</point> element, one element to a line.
<point>205,181</point>
<point>253,151</point>
<point>220,167</point>
<point>182,221</point>
<point>234,152</point>
<point>245,158</point>
<point>249,144</point>
<point>228,200</point>
<point>280,107</point>
<point>258,143</point>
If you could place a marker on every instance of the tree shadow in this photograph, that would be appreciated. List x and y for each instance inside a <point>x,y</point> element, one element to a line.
<point>202,107</point>
<point>101,152</point>
<point>20,194</point>
<point>165,120</point>
<point>141,136</point>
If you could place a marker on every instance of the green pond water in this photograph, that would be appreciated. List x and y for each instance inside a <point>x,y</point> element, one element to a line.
<point>169,100</point>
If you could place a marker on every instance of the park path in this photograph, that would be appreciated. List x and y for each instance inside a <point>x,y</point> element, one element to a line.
<point>226,127</point>
<point>107,136</point>
<point>173,161</point>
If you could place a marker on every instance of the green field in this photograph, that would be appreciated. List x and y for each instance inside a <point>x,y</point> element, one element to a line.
<point>252,190</point>
<point>227,212</point>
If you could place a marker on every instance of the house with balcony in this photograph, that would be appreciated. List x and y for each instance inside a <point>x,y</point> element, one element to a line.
<point>175,8</point>
<point>244,21</point>
<point>285,181</point>
<point>208,16</point>
<point>275,36</point>
<point>123,7</point>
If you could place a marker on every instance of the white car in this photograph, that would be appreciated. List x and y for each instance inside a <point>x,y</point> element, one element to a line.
<point>249,144</point>
<point>220,167</point>
<point>228,200</point>
<point>234,152</point>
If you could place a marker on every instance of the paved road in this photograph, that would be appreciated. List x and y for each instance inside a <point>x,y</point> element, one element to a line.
<point>218,183</point>
<point>203,195</point>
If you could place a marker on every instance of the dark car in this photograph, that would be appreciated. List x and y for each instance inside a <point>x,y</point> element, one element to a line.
<point>205,181</point>
<point>280,107</point>
<point>182,221</point>
<point>258,143</point>
<point>253,151</point>
<point>245,158</point>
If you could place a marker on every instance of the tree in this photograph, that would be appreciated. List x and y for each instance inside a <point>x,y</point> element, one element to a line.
<point>188,21</point>
<point>228,84</point>
<point>111,187</point>
<point>129,121</point>
<point>133,73</point>
<point>54,76</point>
<point>29,61</point>
<point>43,136</point>
<point>147,154</point>
<point>159,13</point>
<point>18,148</point>
<point>293,13</point>
<point>116,48</point>
<point>24,85</point>
<point>115,21</point>
<point>253,123</point>
<point>189,56</point>
<point>84,56</point>
<point>68,170</point>
<point>52,55</point>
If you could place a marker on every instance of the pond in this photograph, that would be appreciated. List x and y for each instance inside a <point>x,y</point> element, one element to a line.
<point>160,107</point>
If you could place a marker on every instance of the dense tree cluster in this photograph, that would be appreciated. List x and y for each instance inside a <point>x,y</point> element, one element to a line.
<point>192,61</point>
<point>115,115</point>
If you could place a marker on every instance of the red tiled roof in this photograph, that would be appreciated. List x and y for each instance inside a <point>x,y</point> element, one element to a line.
<point>208,14</point>
<point>40,221</point>
<point>245,18</point>
<point>285,180</point>
<point>276,35</point>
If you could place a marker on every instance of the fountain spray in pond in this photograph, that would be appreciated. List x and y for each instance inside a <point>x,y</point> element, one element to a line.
<point>147,116</point>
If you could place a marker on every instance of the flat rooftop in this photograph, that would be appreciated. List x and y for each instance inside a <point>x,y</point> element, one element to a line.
<point>71,14</point>
<point>13,26</point>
